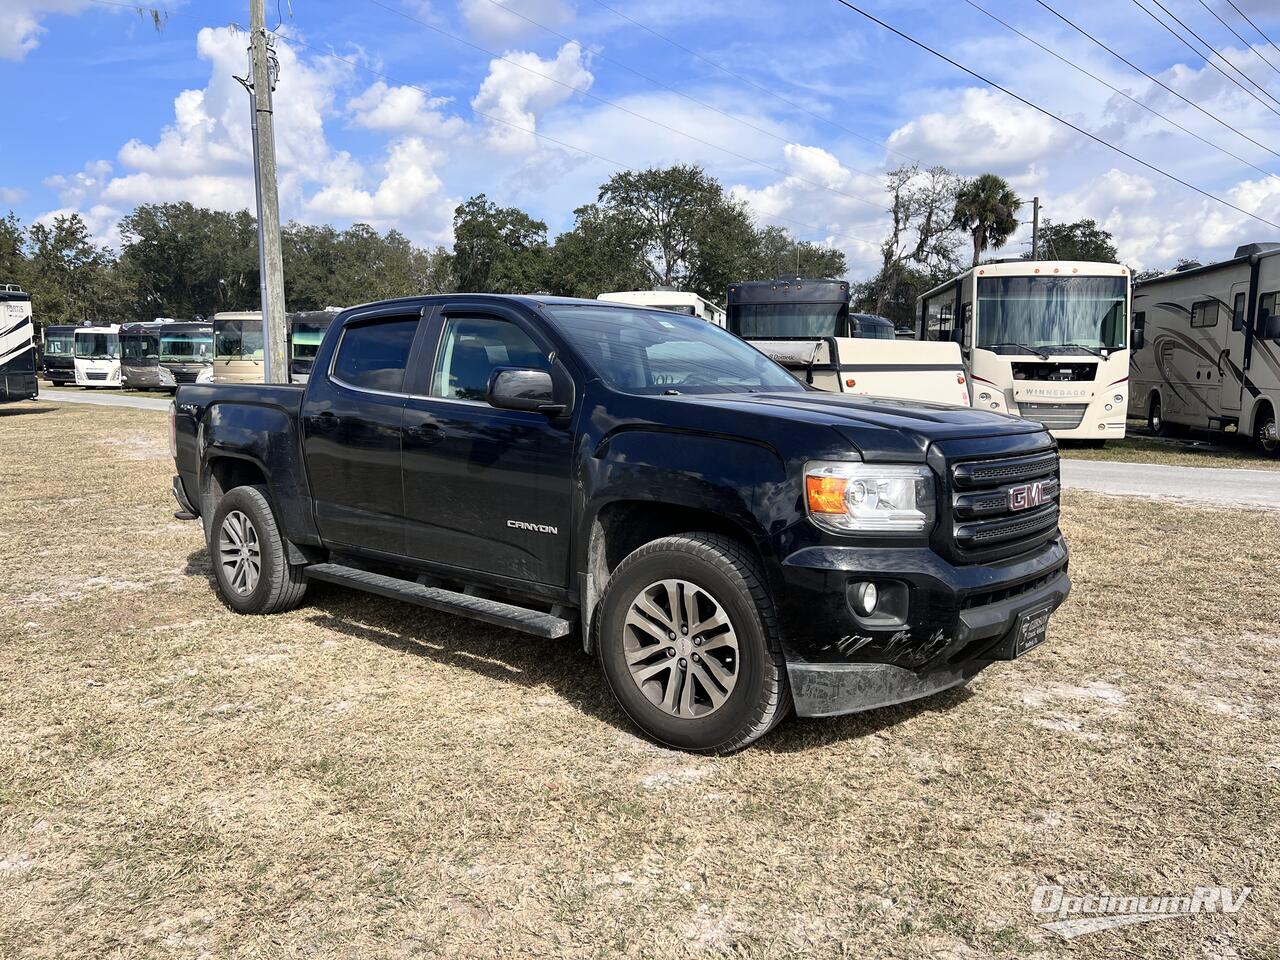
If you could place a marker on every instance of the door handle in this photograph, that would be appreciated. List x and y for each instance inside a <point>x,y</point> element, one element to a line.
<point>426,433</point>
<point>324,421</point>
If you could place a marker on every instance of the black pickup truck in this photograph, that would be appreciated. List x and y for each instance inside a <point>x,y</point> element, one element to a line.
<point>728,541</point>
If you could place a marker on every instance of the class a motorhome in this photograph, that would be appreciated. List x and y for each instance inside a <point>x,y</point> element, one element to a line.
<point>1045,340</point>
<point>58,353</point>
<point>97,355</point>
<point>678,301</point>
<point>165,352</point>
<point>17,345</point>
<point>239,348</point>
<point>1206,347</point>
<point>806,326</point>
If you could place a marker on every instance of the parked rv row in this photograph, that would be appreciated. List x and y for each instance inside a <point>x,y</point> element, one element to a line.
<point>164,353</point>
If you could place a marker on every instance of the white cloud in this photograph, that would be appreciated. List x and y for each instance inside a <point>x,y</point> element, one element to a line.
<point>522,87</point>
<point>503,21</point>
<point>979,130</point>
<point>12,195</point>
<point>402,110</point>
<point>21,23</point>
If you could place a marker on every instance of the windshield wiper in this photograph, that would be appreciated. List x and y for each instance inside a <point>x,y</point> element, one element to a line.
<point>1020,346</point>
<point>1080,346</point>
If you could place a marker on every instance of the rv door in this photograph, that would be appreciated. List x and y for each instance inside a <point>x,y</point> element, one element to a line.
<point>1231,359</point>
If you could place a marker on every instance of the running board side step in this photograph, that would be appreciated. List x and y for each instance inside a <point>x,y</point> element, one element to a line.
<point>500,614</point>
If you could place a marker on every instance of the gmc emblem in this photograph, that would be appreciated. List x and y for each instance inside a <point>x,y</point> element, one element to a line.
<point>1027,495</point>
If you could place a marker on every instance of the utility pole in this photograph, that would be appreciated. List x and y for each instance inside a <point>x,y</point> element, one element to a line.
<point>275,326</point>
<point>1035,228</point>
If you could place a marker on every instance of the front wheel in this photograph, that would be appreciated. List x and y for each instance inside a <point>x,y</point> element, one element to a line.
<point>1155,419</point>
<point>688,641</point>
<point>250,565</point>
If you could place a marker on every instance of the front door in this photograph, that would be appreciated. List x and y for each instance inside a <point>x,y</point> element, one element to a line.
<point>351,435</point>
<point>485,489</point>
<point>1231,360</point>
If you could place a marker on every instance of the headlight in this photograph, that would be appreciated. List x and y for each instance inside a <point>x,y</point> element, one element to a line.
<point>870,498</point>
<point>205,375</point>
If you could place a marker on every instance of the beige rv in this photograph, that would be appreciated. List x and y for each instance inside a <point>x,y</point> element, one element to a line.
<point>239,351</point>
<point>1206,347</point>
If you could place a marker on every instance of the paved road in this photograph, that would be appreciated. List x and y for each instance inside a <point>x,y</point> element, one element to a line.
<point>1253,488</point>
<point>105,398</point>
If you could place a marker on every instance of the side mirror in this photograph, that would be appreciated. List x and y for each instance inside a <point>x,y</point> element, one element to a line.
<point>520,388</point>
<point>1271,327</point>
<point>957,336</point>
<point>1139,338</point>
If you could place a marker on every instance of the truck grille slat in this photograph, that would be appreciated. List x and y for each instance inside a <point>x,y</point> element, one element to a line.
<point>1001,506</point>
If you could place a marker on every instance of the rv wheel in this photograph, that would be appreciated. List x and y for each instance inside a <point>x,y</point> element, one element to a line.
<point>1155,419</point>
<point>1267,436</point>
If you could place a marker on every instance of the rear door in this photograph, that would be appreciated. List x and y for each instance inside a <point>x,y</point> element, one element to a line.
<point>485,489</point>
<point>351,425</point>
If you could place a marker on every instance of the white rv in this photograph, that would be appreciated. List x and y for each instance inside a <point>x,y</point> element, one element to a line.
<point>17,345</point>
<point>97,355</point>
<point>1043,339</point>
<point>1206,347</point>
<point>677,300</point>
<point>805,325</point>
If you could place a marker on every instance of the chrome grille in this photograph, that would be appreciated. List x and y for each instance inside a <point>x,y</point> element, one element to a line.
<point>982,521</point>
<point>1054,416</point>
<point>185,376</point>
<point>95,375</point>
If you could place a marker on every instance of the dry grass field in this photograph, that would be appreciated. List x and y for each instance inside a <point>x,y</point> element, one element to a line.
<point>361,778</point>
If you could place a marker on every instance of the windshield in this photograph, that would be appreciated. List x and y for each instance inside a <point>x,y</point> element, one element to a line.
<point>238,340</point>
<point>788,319</point>
<point>641,351</point>
<point>305,339</point>
<point>97,346</point>
<point>59,345</point>
<point>185,347</point>
<point>1081,312</point>
<point>138,349</point>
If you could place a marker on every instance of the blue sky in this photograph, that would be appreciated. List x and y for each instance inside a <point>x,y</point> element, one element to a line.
<point>106,112</point>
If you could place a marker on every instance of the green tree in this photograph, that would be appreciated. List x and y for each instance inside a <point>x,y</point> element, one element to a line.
<point>180,260</point>
<point>987,208</point>
<point>69,277</point>
<point>602,253</point>
<point>923,234</point>
<point>498,249</point>
<point>695,236</point>
<point>13,240</point>
<point>1082,240</point>
<point>778,254</point>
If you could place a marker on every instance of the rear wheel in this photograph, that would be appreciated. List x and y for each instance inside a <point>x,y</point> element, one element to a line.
<point>688,641</point>
<point>1267,435</point>
<point>250,564</point>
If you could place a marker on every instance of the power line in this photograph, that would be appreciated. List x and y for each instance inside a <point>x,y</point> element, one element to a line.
<point>1212,53</point>
<point>627,110</point>
<point>1246,19</point>
<point>1115,89</point>
<point>752,83</point>
<point>1048,113</point>
<point>1249,46</point>
<point>1160,83</point>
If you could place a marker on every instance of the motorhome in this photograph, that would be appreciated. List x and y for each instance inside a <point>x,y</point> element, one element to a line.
<point>186,352</point>
<point>806,326</point>
<point>675,300</point>
<point>58,353</point>
<point>239,346</point>
<point>17,345</point>
<point>97,356</point>
<point>1206,347</point>
<point>1045,340</point>
<point>140,356</point>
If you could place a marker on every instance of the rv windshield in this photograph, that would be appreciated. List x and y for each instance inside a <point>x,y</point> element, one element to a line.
<point>138,349</point>
<point>97,346</point>
<point>1083,312</point>
<point>642,351</point>
<point>305,338</point>
<point>185,347</point>
<point>789,319</point>
<point>238,340</point>
<point>59,345</point>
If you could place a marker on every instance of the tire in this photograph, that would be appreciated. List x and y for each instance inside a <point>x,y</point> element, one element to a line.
<point>1266,434</point>
<point>244,516</point>
<point>703,712</point>
<point>1156,422</point>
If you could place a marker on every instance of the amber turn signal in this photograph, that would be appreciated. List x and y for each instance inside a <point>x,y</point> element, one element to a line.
<point>826,494</point>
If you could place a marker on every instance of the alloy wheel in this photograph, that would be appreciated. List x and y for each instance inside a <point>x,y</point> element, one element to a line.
<point>240,553</point>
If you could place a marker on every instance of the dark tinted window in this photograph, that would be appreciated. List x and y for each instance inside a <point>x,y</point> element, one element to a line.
<point>373,356</point>
<point>472,347</point>
<point>1237,312</point>
<point>1204,313</point>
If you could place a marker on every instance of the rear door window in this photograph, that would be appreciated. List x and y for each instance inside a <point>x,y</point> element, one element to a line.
<point>373,355</point>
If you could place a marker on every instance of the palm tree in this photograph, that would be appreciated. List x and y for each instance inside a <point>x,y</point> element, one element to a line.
<point>986,207</point>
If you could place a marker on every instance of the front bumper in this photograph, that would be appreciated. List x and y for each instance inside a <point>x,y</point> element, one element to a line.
<point>961,619</point>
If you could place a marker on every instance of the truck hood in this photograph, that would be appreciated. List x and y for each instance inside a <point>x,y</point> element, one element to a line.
<point>881,429</point>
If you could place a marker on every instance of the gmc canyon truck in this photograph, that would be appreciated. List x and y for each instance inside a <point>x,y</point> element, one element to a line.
<point>730,543</point>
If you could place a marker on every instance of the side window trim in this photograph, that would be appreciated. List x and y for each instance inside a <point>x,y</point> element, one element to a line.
<point>1196,308</point>
<point>369,319</point>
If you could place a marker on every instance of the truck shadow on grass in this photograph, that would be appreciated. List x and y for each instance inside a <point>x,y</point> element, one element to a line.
<point>559,666</point>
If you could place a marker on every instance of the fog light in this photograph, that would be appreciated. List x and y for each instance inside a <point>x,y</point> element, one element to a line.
<point>1102,426</point>
<point>1118,398</point>
<point>984,396</point>
<point>1108,406</point>
<point>994,405</point>
<point>865,597</point>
